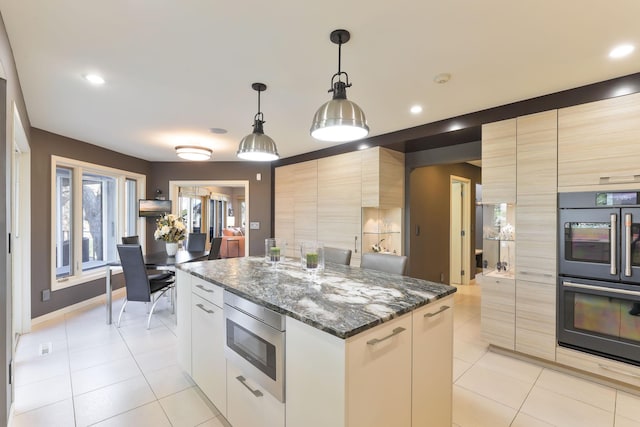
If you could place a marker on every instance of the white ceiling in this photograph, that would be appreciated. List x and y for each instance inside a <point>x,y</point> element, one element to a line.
<point>174,69</point>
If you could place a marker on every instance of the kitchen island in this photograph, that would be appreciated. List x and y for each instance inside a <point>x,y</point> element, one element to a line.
<point>362,347</point>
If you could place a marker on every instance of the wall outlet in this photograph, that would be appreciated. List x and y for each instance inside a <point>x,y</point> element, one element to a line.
<point>46,295</point>
<point>254,225</point>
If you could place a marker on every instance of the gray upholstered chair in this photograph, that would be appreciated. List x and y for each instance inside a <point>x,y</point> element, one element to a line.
<point>384,262</point>
<point>130,240</point>
<point>196,242</point>
<point>140,287</point>
<point>214,252</point>
<point>337,256</point>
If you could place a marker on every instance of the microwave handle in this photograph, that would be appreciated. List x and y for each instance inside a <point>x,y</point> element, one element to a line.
<point>627,248</point>
<point>614,243</point>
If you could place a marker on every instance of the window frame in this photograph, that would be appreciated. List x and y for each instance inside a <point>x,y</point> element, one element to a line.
<point>77,276</point>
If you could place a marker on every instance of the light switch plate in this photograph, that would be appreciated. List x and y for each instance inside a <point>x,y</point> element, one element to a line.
<point>254,225</point>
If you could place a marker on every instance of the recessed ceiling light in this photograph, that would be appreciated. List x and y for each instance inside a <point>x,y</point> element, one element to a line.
<point>363,146</point>
<point>218,131</point>
<point>416,109</point>
<point>621,51</point>
<point>94,79</point>
<point>442,78</point>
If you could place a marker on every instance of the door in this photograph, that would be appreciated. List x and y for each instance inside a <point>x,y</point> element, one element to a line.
<point>630,245</point>
<point>589,243</point>
<point>459,249</point>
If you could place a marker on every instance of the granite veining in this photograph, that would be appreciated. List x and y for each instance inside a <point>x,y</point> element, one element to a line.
<point>340,300</point>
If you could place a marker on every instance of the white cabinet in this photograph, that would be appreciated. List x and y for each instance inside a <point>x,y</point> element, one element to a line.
<point>249,405</point>
<point>396,374</point>
<point>207,354</point>
<point>598,144</point>
<point>432,363</point>
<point>183,319</point>
<point>499,162</point>
<point>380,359</point>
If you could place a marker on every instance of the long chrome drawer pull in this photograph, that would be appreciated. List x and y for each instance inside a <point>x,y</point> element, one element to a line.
<point>627,248</point>
<point>395,332</point>
<point>205,289</point>
<point>201,307</point>
<point>256,393</point>
<point>443,308</point>
<point>617,370</point>
<point>614,245</point>
<point>600,288</point>
<point>531,273</point>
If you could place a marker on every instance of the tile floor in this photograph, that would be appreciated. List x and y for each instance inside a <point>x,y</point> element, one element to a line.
<point>100,375</point>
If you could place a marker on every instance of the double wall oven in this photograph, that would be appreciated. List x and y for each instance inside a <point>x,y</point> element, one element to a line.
<point>599,273</point>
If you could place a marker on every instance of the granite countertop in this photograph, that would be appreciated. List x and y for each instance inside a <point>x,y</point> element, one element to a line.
<point>341,300</point>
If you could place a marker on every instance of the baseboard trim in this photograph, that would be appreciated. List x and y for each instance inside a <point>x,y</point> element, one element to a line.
<point>100,299</point>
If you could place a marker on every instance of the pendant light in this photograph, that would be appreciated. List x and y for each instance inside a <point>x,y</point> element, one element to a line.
<point>339,120</point>
<point>257,146</point>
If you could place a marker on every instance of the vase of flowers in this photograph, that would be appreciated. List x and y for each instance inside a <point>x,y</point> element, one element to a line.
<point>171,229</point>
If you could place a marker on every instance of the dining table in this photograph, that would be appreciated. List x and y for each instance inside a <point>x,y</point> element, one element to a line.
<point>153,261</point>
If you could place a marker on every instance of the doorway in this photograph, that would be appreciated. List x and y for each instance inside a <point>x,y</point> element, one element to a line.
<point>223,201</point>
<point>459,230</point>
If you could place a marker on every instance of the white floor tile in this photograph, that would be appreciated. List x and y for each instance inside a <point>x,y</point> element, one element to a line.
<point>99,376</point>
<point>90,337</point>
<point>158,359</point>
<point>564,411</point>
<point>472,410</point>
<point>215,422</point>
<point>495,385</point>
<point>626,422</point>
<point>104,403</point>
<point>459,368</point>
<point>42,393</point>
<point>147,415</point>
<point>40,368</point>
<point>524,420</point>
<point>187,408</point>
<point>58,414</point>
<point>94,356</point>
<point>594,394</point>
<point>628,406</point>
<point>169,380</point>
<point>144,340</point>
<point>468,351</point>
<point>519,369</point>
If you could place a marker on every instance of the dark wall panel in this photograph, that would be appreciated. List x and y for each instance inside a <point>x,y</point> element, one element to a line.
<point>43,146</point>
<point>429,200</point>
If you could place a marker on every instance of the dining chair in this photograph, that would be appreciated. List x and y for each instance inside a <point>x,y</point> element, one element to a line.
<point>130,240</point>
<point>196,242</point>
<point>337,255</point>
<point>389,263</point>
<point>214,252</point>
<point>140,287</point>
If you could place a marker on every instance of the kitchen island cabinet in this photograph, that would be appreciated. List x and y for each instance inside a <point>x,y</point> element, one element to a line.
<point>361,345</point>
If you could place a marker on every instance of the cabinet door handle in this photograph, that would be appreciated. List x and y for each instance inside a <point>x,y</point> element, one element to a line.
<point>256,393</point>
<point>627,247</point>
<point>205,289</point>
<point>355,244</point>
<point>201,307</point>
<point>443,308</point>
<point>614,244</point>
<point>531,273</point>
<point>395,332</point>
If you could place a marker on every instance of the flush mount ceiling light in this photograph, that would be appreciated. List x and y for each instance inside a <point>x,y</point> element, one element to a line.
<point>257,146</point>
<point>339,120</point>
<point>193,152</point>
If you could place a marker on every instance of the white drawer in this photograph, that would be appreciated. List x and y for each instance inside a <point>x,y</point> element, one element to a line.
<point>207,290</point>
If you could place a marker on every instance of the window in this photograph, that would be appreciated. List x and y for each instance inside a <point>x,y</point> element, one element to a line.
<point>93,206</point>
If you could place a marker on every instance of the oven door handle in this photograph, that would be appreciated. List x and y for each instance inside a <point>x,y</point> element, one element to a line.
<point>627,247</point>
<point>600,288</point>
<point>614,244</point>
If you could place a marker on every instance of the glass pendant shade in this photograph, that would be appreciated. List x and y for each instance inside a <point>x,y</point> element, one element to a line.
<point>195,153</point>
<point>257,146</point>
